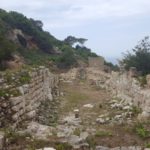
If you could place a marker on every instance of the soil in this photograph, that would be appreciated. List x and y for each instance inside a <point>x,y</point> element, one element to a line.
<point>77,94</point>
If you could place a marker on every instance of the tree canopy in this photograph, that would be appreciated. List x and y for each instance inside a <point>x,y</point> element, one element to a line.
<point>139,57</point>
<point>71,40</point>
<point>43,47</point>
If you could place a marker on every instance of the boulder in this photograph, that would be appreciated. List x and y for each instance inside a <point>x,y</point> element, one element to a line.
<point>88,106</point>
<point>143,116</point>
<point>101,148</point>
<point>49,148</point>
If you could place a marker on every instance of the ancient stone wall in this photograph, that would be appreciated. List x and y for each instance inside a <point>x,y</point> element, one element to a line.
<point>123,86</point>
<point>128,89</point>
<point>42,86</point>
<point>96,62</point>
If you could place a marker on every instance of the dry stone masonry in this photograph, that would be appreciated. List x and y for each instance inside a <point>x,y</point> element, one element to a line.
<point>125,87</point>
<point>129,89</point>
<point>16,108</point>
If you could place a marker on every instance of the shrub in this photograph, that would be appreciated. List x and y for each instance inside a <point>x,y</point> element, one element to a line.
<point>141,131</point>
<point>25,78</point>
<point>142,80</point>
<point>63,146</point>
<point>136,110</point>
<point>77,132</point>
<point>91,141</point>
<point>139,57</point>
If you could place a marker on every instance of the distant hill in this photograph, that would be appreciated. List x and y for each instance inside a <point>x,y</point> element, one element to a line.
<point>23,41</point>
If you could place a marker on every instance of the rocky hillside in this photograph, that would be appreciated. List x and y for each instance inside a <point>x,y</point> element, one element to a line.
<point>23,41</point>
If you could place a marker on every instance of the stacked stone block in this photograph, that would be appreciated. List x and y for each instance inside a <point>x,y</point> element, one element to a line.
<point>15,110</point>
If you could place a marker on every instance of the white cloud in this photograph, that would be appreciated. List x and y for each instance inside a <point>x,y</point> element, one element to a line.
<point>63,13</point>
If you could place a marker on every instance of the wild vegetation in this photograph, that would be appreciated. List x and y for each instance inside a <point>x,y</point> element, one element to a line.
<point>138,57</point>
<point>48,48</point>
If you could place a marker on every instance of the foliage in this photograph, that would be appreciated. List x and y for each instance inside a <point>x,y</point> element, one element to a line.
<point>141,131</point>
<point>139,57</point>
<point>63,146</point>
<point>44,42</point>
<point>21,77</point>
<point>24,78</point>
<point>147,145</point>
<point>6,49</point>
<point>112,66</point>
<point>67,59</point>
<point>91,141</point>
<point>13,136</point>
<point>84,52</point>
<point>77,132</point>
<point>136,110</point>
<point>71,40</point>
<point>103,133</point>
<point>6,93</point>
<point>142,80</point>
<point>30,27</point>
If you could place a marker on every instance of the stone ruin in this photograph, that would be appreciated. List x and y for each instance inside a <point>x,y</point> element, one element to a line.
<point>43,86</point>
<point>96,62</point>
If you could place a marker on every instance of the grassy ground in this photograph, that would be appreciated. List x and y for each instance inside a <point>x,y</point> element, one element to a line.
<point>75,96</point>
<point>80,93</point>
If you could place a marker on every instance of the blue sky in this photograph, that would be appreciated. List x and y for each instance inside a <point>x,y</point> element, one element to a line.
<point>111,26</point>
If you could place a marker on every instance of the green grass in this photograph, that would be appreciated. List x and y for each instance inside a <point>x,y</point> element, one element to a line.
<point>91,141</point>
<point>147,145</point>
<point>136,110</point>
<point>77,132</point>
<point>73,99</point>
<point>141,131</point>
<point>63,146</point>
<point>103,133</point>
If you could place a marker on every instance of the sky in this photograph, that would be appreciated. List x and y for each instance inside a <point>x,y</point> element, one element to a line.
<point>111,26</point>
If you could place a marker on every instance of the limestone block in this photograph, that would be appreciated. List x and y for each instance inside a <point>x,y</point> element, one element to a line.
<point>143,116</point>
<point>16,100</point>
<point>115,148</point>
<point>15,108</point>
<point>31,114</point>
<point>148,80</point>
<point>101,148</point>
<point>4,105</point>
<point>15,117</point>
<point>21,90</point>
<point>2,135</point>
<point>49,148</point>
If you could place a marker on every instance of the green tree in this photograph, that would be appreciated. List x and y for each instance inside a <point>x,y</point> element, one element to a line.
<point>67,59</point>
<point>7,48</point>
<point>71,40</point>
<point>139,57</point>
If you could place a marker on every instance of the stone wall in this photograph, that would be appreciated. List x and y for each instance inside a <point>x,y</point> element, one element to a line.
<point>128,89</point>
<point>123,86</point>
<point>96,62</point>
<point>42,86</point>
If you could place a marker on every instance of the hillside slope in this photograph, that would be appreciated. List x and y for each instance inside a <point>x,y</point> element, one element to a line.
<point>24,38</point>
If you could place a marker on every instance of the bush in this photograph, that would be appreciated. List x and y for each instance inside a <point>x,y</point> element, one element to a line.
<point>24,78</point>
<point>63,146</point>
<point>77,132</point>
<point>136,110</point>
<point>91,141</point>
<point>67,59</point>
<point>141,131</point>
<point>139,57</point>
<point>142,80</point>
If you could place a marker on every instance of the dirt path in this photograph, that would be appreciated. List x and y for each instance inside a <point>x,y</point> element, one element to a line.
<point>78,94</point>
